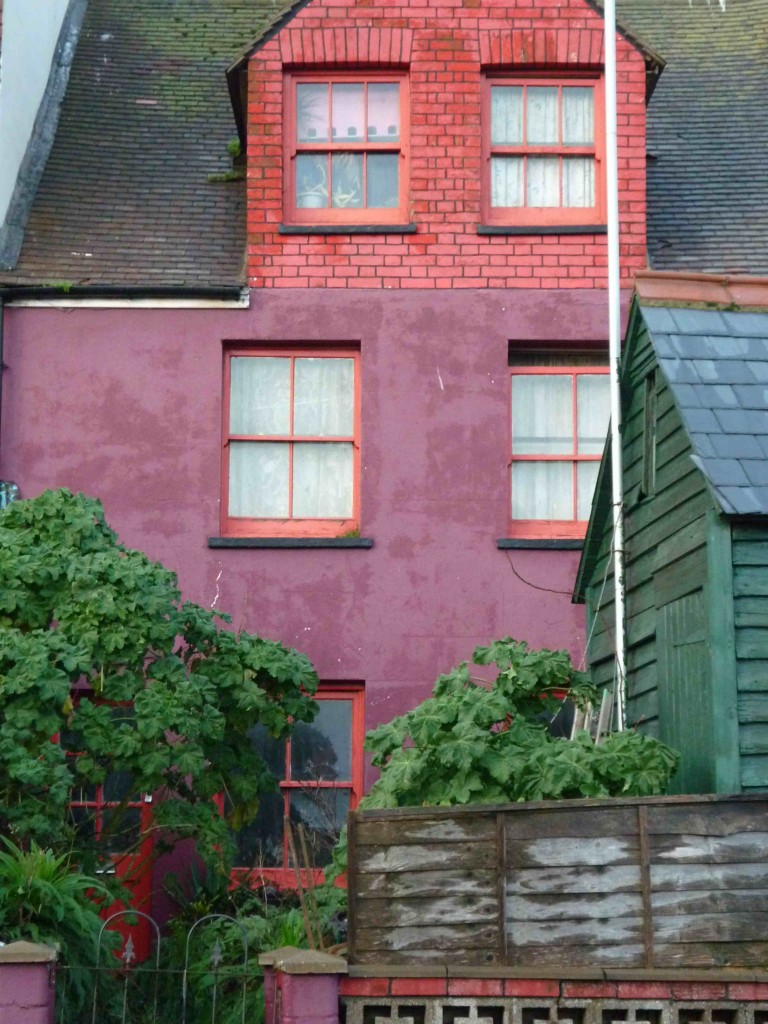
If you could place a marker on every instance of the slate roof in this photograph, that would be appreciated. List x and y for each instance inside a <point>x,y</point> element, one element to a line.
<point>708,172</point>
<point>716,364</point>
<point>125,197</point>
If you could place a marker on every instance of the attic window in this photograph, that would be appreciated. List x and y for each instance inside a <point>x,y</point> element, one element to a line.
<point>346,149</point>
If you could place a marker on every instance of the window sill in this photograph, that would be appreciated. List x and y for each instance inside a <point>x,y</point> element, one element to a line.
<point>346,229</point>
<point>548,229</point>
<point>540,543</point>
<point>290,542</point>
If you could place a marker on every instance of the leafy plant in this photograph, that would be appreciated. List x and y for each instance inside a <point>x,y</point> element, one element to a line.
<point>97,646</point>
<point>43,899</point>
<point>472,742</point>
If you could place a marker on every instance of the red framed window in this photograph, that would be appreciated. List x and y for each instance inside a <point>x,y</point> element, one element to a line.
<point>559,422</point>
<point>544,149</point>
<point>320,771</point>
<point>346,149</point>
<point>291,463</point>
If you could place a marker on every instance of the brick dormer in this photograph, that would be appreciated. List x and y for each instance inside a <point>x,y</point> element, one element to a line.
<point>455,68</point>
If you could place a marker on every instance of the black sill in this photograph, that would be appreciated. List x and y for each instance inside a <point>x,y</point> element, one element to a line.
<point>542,544</point>
<point>290,542</point>
<point>346,229</point>
<point>562,229</point>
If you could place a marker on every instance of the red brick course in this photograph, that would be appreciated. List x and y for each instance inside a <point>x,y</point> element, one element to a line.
<point>446,48</point>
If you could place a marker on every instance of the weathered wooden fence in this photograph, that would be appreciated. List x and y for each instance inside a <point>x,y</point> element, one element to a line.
<point>642,883</point>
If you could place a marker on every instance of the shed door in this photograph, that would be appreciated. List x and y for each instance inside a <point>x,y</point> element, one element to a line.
<point>685,691</point>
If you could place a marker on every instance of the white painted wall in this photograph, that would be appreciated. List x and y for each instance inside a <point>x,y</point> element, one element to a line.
<point>30,33</point>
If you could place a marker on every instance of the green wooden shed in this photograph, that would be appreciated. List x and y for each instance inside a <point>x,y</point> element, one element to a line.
<point>694,382</point>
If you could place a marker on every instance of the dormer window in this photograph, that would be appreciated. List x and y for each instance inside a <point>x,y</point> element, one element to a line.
<point>346,149</point>
<point>544,149</point>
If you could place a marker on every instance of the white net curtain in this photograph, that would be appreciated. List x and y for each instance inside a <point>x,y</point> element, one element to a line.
<point>301,397</point>
<point>543,424</point>
<point>548,116</point>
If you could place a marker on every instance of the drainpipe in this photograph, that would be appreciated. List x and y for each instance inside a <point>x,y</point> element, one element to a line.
<point>614,350</point>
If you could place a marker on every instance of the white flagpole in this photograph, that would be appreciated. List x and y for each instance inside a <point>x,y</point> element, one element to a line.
<point>614,349</point>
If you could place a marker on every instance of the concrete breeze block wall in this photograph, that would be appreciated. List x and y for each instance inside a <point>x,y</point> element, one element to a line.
<point>447,48</point>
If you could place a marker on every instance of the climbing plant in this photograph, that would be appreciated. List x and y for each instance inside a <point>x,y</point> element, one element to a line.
<point>108,678</point>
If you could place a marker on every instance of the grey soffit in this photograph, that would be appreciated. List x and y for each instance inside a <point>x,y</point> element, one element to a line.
<point>708,172</point>
<point>125,198</point>
<point>716,364</point>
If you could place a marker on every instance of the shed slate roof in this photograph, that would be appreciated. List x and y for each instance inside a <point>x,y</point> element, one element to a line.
<point>125,197</point>
<point>708,167</point>
<point>716,364</point>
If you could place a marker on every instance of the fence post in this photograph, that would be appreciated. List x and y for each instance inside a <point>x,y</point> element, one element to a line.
<point>301,986</point>
<point>27,983</point>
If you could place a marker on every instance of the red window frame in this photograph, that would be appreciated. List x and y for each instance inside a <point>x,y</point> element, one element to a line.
<point>285,876</point>
<point>545,216</point>
<point>563,529</point>
<point>236,526</point>
<point>294,214</point>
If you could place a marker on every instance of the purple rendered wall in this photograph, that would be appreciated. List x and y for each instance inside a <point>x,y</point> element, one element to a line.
<point>125,404</point>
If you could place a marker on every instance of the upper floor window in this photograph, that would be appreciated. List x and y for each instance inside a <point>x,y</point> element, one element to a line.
<point>346,149</point>
<point>544,150</point>
<point>291,442</point>
<point>560,407</point>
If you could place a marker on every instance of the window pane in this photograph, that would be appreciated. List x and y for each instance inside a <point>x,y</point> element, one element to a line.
<point>323,813</point>
<point>259,396</point>
<point>311,181</point>
<point>507,181</point>
<point>312,112</point>
<point>543,181</point>
<point>120,829</point>
<point>118,786</point>
<point>541,111</point>
<point>382,188</point>
<point>347,113</point>
<point>322,481</point>
<point>384,112</point>
<point>346,180</point>
<point>260,844</point>
<point>258,480</point>
<point>322,751</point>
<point>578,116</point>
<point>586,478</point>
<point>593,404</point>
<point>271,750</point>
<point>323,400</point>
<point>542,414</point>
<point>578,181</point>
<point>542,490</point>
<point>507,115</point>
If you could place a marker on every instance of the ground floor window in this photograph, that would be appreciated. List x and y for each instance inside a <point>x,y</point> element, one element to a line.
<point>319,769</point>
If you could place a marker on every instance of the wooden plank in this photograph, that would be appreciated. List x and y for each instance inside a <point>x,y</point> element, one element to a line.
<point>352,882</point>
<point>718,816</point>
<point>751,642</point>
<point>752,676</point>
<point>426,884</point>
<point>616,930</point>
<point>681,577</point>
<point>685,877</point>
<point>574,880</point>
<point>416,857</point>
<point>443,830</point>
<point>435,941</point>
<point>752,707</point>
<point>571,823</point>
<point>705,901</point>
<point>501,882</point>
<point>750,611</point>
<point>428,912</point>
<point>424,962</point>
<point>608,955</point>
<point>753,739</point>
<point>736,848</point>
<point>752,551</point>
<point>570,851</point>
<point>572,907</point>
<point>750,581</point>
<point>754,771</point>
<point>729,927</point>
<point>711,954</point>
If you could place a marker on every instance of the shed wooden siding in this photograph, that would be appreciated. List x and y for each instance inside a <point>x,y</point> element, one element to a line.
<point>656,883</point>
<point>750,598</point>
<point>665,552</point>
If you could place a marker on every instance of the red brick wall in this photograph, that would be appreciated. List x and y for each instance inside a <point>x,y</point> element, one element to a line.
<point>444,43</point>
